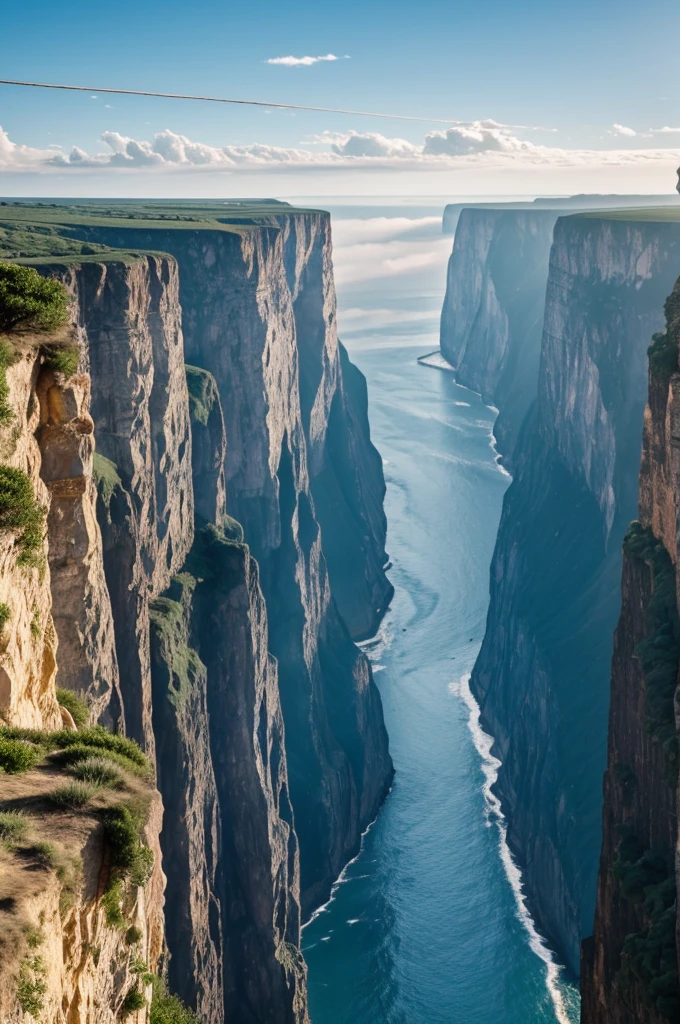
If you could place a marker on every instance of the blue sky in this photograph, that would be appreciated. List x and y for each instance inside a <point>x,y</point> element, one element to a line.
<point>567,73</point>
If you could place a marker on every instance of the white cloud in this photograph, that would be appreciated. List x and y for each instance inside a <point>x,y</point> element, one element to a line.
<point>305,62</point>
<point>481,145</point>
<point>621,129</point>
<point>666,131</point>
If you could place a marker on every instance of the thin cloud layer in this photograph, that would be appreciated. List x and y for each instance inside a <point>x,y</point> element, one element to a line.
<point>482,144</point>
<point>304,62</point>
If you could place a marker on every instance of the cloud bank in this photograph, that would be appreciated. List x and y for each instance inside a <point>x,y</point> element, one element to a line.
<point>478,145</point>
<point>304,62</point>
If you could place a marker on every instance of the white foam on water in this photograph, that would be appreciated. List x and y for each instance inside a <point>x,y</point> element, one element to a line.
<point>353,920</point>
<point>494,813</point>
<point>465,405</point>
<point>342,877</point>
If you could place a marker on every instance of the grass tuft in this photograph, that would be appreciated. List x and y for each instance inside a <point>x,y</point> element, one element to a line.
<point>98,771</point>
<point>14,826</point>
<point>73,795</point>
<point>134,1001</point>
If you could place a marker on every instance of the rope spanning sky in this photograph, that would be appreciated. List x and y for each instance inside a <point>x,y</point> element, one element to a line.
<point>222,99</point>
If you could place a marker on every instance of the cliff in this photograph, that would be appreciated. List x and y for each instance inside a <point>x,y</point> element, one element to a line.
<point>218,392</point>
<point>69,889</point>
<point>629,966</point>
<point>492,318</point>
<point>258,308</point>
<point>541,675</point>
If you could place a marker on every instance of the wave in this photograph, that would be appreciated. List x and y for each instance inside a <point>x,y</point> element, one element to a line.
<point>342,877</point>
<point>494,814</point>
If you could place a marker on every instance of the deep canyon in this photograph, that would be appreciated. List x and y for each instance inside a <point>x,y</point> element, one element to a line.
<point>212,577</point>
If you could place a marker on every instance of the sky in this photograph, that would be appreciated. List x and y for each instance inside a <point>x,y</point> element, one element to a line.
<point>517,98</point>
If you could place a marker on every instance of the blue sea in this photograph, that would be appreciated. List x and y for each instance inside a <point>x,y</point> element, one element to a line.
<point>427,925</point>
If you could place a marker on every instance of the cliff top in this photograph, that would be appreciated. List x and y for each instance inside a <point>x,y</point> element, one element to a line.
<point>41,232</point>
<point>655,214</point>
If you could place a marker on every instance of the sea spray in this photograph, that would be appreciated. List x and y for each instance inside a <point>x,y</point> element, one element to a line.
<point>494,813</point>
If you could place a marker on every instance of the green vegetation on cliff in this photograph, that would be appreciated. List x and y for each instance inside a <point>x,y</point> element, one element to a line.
<point>648,957</point>
<point>29,302</point>
<point>20,513</point>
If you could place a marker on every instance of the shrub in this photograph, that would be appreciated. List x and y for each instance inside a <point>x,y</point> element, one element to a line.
<point>20,512</point>
<point>168,1009</point>
<point>133,935</point>
<point>111,901</point>
<point>29,302</point>
<point>61,358</point>
<point>31,985</point>
<point>75,704</point>
<point>16,756</point>
<point>5,615</point>
<point>73,795</point>
<point>129,856</point>
<point>133,1001</point>
<point>13,826</point>
<point>98,771</point>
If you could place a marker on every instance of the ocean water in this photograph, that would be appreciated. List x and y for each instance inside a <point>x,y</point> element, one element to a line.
<point>427,925</point>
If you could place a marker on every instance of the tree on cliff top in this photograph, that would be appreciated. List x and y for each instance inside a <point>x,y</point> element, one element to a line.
<point>29,302</point>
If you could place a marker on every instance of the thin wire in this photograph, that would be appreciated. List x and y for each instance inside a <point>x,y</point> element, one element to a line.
<point>220,99</point>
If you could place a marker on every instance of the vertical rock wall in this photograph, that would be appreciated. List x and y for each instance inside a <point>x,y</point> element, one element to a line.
<point>542,674</point>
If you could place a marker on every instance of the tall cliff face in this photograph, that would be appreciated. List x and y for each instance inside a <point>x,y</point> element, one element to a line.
<point>27,655</point>
<point>541,676</point>
<point>62,956</point>
<point>259,314</point>
<point>219,389</point>
<point>233,920</point>
<point>492,318</point>
<point>129,325</point>
<point>629,966</point>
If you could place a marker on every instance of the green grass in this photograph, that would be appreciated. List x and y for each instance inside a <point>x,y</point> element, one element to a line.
<point>16,756</point>
<point>31,987</point>
<point>73,795</point>
<point>5,615</point>
<point>14,826</point>
<point>20,513</point>
<point>656,214</point>
<point>98,771</point>
<point>89,741</point>
<point>75,704</point>
<point>133,935</point>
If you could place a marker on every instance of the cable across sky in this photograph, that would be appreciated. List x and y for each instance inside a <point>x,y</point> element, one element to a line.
<point>223,99</point>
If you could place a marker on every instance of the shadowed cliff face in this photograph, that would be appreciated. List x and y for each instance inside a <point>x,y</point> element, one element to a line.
<point>233,913</point>
<point>259,314</point>
<point>492,318</point>
<point>541,676</point>
<point>629,966</point>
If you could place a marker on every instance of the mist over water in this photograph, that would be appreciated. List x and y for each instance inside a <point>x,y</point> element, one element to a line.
<point>424,926</point>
